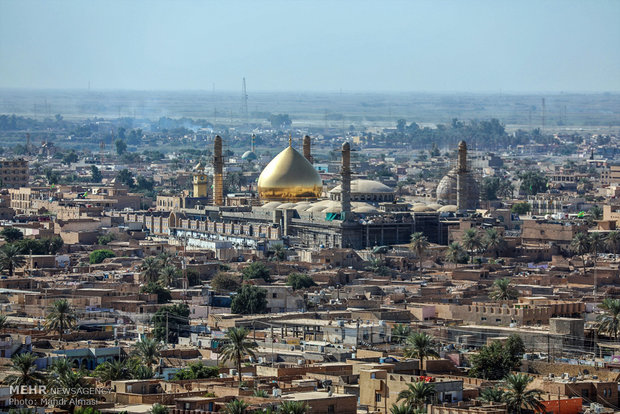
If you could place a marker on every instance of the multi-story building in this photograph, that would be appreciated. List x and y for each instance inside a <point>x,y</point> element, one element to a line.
<point>13,172</point>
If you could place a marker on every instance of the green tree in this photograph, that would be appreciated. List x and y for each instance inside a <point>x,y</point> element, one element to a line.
<point>158,409</point>
<point>418,393</point>
<point>493,241</point>
<point>519,397</point>
<point>494,394</point>
<point>196,370</point>
<point>299,281</point>
<point>100,255</point>
<point>496,360</point>
<point>420,346</point>
<point>532,182</point>
<point>113,371</point>
<point>173,319</point>
<point>472,242</point>
<point>256,270</point>
<point>11,234</point>
<point>455,253</point>
<point>278,254</point>
<point>293,407</point>
<point>521,208</point>
<point>597,245</point>
<point>163,294</point>
<point>403,408</point>
<point>95,174</point>
<point>86,410</point>
<point>26,370</point>
<point>249,300</point>
<point>11,258</point>
<point>70,158</point>
<point>612,241</point>
<point>125,177</point>
<point>120,146</point>
<point>502,290</point>
<point>236,407</point>
<point>609,320</point>
<point>168,275</point>
<point>580,245</point>
<point>105,239</point>
<point>237,346</point>
<point>400,333</point>
<point>377,266</point>
<point>419,244</point>
<point>150,269</point>
<point>224,282</point>
<point>60,317</point>
<point>147,350</point>
<point>596,212</point>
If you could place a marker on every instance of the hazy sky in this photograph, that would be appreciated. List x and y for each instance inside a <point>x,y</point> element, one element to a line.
<point>433,46</point>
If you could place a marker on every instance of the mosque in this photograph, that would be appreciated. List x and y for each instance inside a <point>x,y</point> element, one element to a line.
<point>355,214</point>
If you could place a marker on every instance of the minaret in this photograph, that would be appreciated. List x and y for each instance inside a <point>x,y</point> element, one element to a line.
<point>345,172</point>
<point>253,141</point>
<point>218,172</point>
<point>307,149</point>
<point>461,181</point>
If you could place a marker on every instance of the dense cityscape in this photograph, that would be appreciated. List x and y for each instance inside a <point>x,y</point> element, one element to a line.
<point>206,252</point>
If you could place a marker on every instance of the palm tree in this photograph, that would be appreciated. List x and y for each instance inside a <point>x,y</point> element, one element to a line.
<point>403,408</point>
<point>613,241</point>
<point>11,258</point>
<point>60,366</point>
<point>609,320</point>
<point>278,255</point>
<point>518,396</point>
<point>472,242</point>
<point>580,245</point>
<point>400,332</point>
<point>494,394</point>
<point>60,317</point>
<point>236,407</point>
<point>68,387</point>
<point>293,407</point>
<point>455,253</point>
<point>25,365</point>
<point>502,290</point>
<point>237,346</point>
<point>493,241</point>
<point>168,275</point>
<point>419,244</point>
<point>417,393</point>
<point>421,346</point>
<point>150,269</point>
<point>165,259</point>
<point>147,350</point>
<point>113,371</point>
<point>158,409</point>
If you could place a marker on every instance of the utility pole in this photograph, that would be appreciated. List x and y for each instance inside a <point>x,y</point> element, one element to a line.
<point>166,327</point>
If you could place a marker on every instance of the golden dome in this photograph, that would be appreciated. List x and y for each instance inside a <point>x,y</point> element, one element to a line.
<point>289,177</point>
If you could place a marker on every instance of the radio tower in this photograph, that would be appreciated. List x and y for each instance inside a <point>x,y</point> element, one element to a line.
<point>244,103</point>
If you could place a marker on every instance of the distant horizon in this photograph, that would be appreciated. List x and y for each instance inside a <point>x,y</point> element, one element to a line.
<point>335,92</point>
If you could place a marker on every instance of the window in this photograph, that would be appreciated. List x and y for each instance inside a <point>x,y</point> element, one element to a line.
<point>377,397</point>
<point>330,409</point>
<point>585,393</point>
<point>274,295</point>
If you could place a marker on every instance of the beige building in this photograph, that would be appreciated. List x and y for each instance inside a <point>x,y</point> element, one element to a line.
<point>13,173</point>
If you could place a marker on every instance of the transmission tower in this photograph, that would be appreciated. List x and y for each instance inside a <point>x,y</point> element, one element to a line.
<point>244,103</point>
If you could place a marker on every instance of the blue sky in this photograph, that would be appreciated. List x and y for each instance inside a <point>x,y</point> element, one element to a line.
<point>384,46</point>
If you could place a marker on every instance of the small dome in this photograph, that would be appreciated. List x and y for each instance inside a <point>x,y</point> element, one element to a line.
<point>365,209</point>
<point>422,209</point>
<point>435,206</point>
<point>450,208</point>
<point>365,186</point>
<point>285,206</point>
<point>272,205</point>
<point>249,156</point>
<point>289,176</point>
